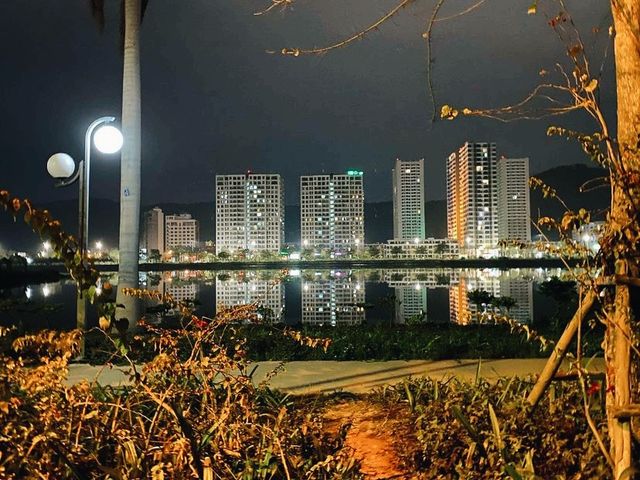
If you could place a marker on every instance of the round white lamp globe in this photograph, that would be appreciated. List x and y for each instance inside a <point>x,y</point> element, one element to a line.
<point>108,139</point>
<point>60,165</point>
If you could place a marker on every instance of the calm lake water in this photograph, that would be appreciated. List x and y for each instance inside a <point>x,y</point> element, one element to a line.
<point>328,297</point>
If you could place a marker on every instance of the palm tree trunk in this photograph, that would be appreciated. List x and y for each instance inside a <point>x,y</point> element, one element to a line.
<point>624,220</point>
<point>130,166</point>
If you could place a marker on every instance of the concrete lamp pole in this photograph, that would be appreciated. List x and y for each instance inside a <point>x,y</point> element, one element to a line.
<point>107,139</point>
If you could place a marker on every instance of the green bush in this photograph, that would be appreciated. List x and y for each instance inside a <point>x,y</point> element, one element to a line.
<point>401,342</point>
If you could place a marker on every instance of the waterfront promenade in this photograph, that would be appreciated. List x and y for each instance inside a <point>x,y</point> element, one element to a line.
<point>309,377</point>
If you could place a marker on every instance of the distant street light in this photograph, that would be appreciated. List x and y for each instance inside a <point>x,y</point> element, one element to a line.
<point>107,139</point>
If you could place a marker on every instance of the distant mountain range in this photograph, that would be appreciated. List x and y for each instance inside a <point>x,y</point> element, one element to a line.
<point>104,214</point>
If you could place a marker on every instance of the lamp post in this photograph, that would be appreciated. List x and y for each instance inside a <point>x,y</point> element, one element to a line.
<point>107,139</point>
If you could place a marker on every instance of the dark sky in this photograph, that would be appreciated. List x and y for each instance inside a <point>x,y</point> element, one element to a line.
<point>214,102</point>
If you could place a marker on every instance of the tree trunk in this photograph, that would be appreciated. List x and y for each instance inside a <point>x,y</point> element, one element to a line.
<point>624,220</point>
<point>560,350</point>
<point>130,166</point>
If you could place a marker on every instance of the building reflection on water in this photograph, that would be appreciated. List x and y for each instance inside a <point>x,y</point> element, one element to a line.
<point>251,287</point>
<point>327,297</point>
<point>336,297</point>
<point>183,286</point>
<point>496,283</point>
<point>521,290</point>
<point>410,286</point>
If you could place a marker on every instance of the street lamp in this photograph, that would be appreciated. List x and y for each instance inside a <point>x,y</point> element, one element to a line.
<point>107,139</point>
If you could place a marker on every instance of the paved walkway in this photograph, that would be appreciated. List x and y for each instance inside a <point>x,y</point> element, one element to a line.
<point>355,377</point>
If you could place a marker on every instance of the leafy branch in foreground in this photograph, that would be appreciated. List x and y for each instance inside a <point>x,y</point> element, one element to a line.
<point>65,246</point>
<point>187,412</point>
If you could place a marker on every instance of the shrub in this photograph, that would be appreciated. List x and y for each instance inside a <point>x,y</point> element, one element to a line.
<point>181,417</point>
<point>485,430</point>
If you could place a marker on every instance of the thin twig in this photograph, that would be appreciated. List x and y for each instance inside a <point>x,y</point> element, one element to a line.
<point>427,34</point>
<point>463,12</point>
<point>343,43</point>
<point>590,422</point>
<point>274,4</point>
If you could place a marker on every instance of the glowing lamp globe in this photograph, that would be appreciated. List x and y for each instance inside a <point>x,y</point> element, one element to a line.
<point>108,139</point>
<point>60,165</point>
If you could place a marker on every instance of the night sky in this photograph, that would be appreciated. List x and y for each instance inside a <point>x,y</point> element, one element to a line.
<point>214,102</point>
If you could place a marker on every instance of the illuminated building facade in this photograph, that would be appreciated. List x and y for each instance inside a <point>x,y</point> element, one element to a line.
<point>514,222</point>
<point>332,212</point>
<point>408,200</point>
<point>472,197</point>
<point>249,213</point>
<point>180,231</point>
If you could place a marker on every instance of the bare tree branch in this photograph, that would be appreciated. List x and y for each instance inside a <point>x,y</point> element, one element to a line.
<point>427,35</point>
<point>274,3</point>
<point>343,43</point>
<point>461,13</point>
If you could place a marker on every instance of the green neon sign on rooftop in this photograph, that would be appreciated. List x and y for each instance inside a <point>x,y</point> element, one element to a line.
<point>354,173</point>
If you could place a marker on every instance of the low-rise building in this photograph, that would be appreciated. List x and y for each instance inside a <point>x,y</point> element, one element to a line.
<point>181,231</point>
<point>427,248</point>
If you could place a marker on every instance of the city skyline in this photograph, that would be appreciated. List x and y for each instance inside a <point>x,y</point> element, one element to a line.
<point>487,202</point>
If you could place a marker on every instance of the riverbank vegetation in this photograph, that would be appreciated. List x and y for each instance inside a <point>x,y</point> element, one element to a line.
<point>201,415</point>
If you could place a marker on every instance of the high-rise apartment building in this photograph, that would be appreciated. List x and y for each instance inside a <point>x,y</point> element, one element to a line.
<point>180,231</point>
<point>249,212</point>
<point>472,197</point>
<point>513,199</point>
<point>153,230</point>
<point>408,200</point>
<point>332,211</point>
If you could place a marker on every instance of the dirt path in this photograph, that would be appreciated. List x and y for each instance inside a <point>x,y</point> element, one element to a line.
<point>376,437</point>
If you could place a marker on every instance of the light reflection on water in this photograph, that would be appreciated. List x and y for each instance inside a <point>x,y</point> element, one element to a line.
<point>325,297</point>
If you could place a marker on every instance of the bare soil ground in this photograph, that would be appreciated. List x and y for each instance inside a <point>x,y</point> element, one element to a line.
<point>380,439</point>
